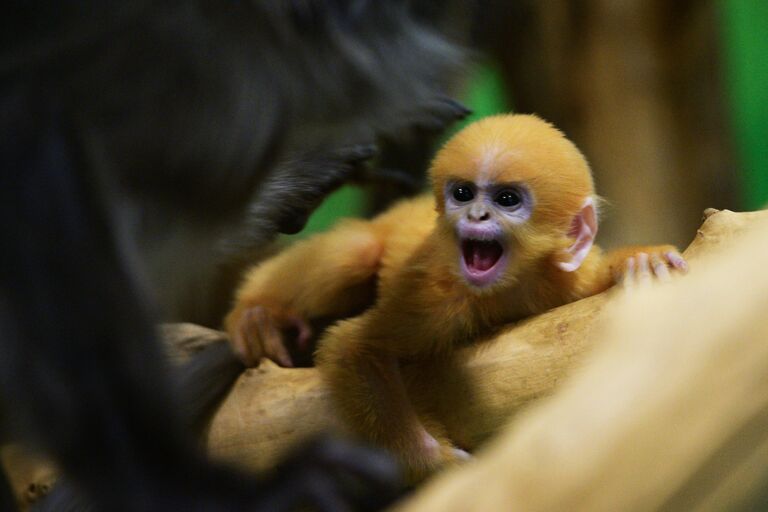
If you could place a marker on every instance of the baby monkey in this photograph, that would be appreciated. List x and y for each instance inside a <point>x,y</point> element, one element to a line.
<point>508,233</point>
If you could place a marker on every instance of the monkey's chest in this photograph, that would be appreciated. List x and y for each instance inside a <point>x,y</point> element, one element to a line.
<point>457,322</point>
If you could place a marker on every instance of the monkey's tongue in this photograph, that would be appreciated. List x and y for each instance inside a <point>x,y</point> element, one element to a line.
<point>481,256</point>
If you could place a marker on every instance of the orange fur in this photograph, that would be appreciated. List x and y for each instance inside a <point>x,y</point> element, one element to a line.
<point>424,307</point>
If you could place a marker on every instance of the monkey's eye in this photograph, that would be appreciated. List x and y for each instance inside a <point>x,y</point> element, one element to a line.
<point>463,193</point>
<point>508,198</point>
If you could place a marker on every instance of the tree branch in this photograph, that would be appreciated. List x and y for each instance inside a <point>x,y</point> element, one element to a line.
<point>677,384</point>
<point>474,394</point>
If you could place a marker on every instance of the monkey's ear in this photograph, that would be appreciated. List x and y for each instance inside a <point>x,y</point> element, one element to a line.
<point>583,229</point>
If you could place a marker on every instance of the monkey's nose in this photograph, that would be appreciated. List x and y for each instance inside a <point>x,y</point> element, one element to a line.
<point>478,216</point>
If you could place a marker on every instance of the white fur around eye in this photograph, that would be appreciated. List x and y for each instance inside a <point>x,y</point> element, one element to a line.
<point>448,194</point>
<point>520,213</point>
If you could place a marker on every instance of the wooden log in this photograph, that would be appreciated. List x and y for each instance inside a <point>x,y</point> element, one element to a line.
<point>670,412</point>
<point>270,408</point>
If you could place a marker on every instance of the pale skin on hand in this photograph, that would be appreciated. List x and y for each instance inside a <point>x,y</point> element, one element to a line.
<point>646,268</point>
<point>507,233</point>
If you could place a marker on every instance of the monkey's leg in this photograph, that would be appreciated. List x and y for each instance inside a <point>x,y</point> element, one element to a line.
<point>642,264</point>
<point>328,275</point>
<point>369,392</point>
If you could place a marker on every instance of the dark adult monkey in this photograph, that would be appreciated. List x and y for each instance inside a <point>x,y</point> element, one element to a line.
<point>134,134</point>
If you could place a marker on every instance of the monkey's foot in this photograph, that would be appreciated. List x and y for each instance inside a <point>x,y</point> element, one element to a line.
<point>431,456</point>
<point>654,264</point>
<point>460,454</point>
<point>257,331</point>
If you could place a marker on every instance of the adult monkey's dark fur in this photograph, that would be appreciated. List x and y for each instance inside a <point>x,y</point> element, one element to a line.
<point>134,134</point>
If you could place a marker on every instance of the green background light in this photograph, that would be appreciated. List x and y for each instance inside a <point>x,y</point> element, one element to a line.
<point>745,45</point>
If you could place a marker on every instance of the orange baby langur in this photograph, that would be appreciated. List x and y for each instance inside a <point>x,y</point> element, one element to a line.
<point>507,233</point>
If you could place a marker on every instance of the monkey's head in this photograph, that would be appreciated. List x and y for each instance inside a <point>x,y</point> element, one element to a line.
<point>512,192</point>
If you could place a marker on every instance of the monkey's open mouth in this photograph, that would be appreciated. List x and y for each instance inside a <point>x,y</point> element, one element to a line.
<point>481,261</point>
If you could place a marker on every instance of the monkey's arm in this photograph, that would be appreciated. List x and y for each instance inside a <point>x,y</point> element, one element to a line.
<point>329,275</point>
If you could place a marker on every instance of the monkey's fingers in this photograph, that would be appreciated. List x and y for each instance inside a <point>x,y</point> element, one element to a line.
<point>650,266</point>
<point>239,339</point>
<point>267,337</point>
<point>304,332</point>
<point>660,270</point>
<point>254,334</point>
<point>676,261</point>
<point>644,272</point>
<point>667,264</point>
<point>625,275</point>
<point>638,271</point>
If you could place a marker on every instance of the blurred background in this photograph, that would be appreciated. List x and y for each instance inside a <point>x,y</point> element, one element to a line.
<point>668,101</point>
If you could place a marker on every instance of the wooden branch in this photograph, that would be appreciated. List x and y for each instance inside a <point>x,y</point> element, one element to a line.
<point>477,392</point>
<point>474,395</point>
<point>272,408</point>
<point>670,412</point>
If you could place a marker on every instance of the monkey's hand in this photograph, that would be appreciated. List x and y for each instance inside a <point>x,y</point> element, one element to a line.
<point>257,331</point>
<point>293,190</point>
<point>639,266</point>
<point>303,182</point>
<point>438,114</point>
